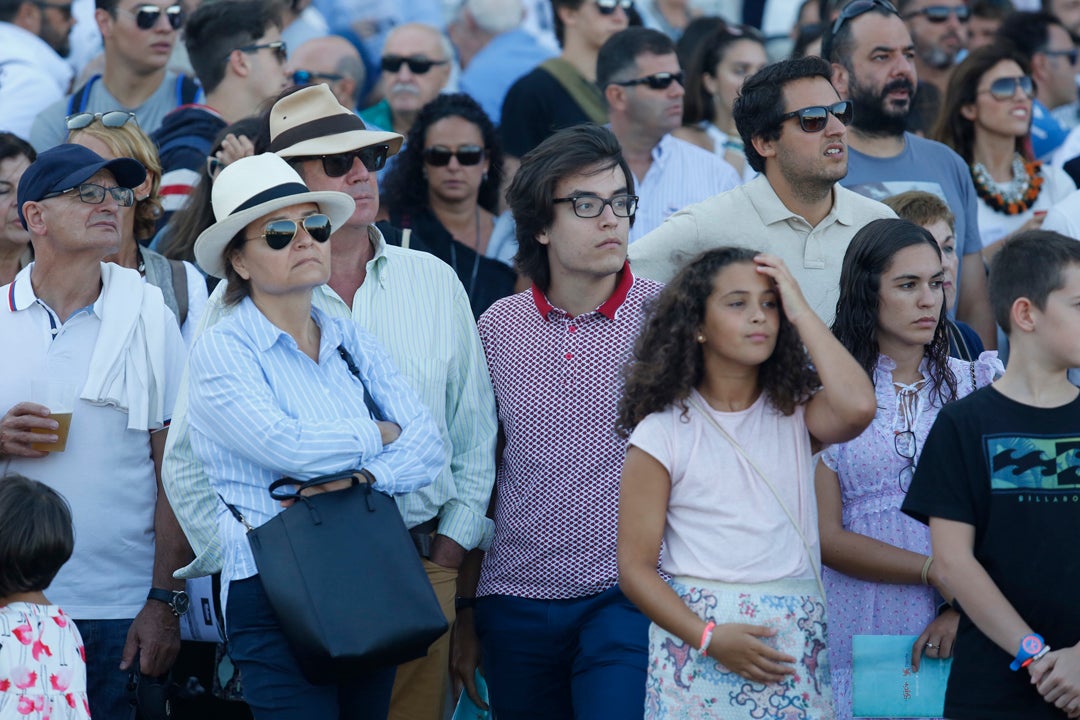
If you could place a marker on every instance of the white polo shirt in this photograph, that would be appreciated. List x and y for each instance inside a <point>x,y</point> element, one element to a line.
<point>106,472</point>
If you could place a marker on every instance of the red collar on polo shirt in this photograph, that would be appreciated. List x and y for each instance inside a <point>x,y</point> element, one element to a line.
<point>607,309</point>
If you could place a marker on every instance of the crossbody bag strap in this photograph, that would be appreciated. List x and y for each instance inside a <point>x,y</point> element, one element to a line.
<point>374,409</point>
<point>791,518</point>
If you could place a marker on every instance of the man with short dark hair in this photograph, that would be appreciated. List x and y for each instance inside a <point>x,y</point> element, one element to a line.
<point>239,57</point>
<point>793,126</point>
<point>555,353</point>
<point>873,64</point>
<point>139,36</point>
<point>940,31</point>
<point>639,73</point>
<point>33,73</point>
<point>109,338</point>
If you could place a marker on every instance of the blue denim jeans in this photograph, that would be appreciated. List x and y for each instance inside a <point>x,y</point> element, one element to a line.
<point>106,683</point>
<point>583,658</point>
<point>274,685</point>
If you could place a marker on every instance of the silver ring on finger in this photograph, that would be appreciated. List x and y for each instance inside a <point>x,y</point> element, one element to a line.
<point>931,646</point>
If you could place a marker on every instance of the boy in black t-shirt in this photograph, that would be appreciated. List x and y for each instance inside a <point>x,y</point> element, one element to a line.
<point>999,484</point>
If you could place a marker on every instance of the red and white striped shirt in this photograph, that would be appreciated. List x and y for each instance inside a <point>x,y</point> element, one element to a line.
<point>558,381</point>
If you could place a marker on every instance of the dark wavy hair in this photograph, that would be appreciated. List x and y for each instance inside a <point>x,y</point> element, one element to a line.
<point>857,311</point>
<point>405,185</point>
<point>668,359</point>
<point>36,537</point>
<point>698,103</point>
<point>951,127</point>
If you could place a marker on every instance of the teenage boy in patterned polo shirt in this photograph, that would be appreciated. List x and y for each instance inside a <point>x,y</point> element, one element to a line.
<point>558,637</point>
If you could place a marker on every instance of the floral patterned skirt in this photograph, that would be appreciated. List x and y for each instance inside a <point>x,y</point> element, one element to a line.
<point>686,684</point>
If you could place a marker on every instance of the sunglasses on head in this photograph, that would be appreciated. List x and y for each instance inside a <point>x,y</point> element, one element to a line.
<point>280,233</point>
<point>814,118</point>
<point>1005,88</point>
<point>438,156</point>
<point>111,119</point>
<point>659,81</point>
<point>281,51</point>
<point>303,77</point>
<point>418,65</point>
<point>146,16</point>
<point>940,13</point>
<point>606,7</point>
<point>373,157</point>
<point>861,7</point>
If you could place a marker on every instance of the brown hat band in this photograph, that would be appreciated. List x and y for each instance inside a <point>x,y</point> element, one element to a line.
<point>330,125</point>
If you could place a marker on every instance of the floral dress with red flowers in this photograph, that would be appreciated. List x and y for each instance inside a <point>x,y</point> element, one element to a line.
<point>42,664</point>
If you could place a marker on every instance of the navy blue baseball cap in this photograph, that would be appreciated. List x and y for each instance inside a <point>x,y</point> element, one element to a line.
<point>66,166</point>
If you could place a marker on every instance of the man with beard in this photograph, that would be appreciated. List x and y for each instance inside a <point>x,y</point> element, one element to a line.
<point>793,125</point>
<point>639,73</point>
<point>873,63</point>
<point>33,74</point>
<point>940,31</point>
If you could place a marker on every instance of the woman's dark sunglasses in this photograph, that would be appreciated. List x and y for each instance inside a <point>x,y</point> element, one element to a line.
<point>659,81</point>
<point>940,13</point>
<point>606,7</point>
<point>1004,88</point>
<point>373,157</point>
<point>814,118</point>
<point>466,155</point>
<point>111,119</point>
<point>417,65</point>
<point>279,233</point>
<point>146,16</point>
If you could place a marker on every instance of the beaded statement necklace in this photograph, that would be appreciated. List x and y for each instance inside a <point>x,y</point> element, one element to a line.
<point>1015,196</point>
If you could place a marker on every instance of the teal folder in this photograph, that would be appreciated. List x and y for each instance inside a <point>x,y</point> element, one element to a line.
<point>884,684</point>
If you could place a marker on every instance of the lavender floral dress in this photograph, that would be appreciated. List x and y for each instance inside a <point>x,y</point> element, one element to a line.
<point>871,469</point>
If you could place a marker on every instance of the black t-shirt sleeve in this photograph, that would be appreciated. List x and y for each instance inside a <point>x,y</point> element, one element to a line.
<point>947,472</point>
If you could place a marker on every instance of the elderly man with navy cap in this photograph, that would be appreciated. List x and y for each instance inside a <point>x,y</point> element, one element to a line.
<point>94,340</point>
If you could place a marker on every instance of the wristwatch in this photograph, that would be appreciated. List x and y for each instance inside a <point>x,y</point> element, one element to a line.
<point>177,600</point>
<point>1031,647</point>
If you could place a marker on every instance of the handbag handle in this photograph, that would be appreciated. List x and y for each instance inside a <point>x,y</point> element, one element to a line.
<point>791,518</point>
<point>301,485</point>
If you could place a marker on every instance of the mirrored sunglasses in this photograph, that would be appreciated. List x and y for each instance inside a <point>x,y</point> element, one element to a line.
<point>418,65</point>
<point>816,117</point>
<point>111,119</point>
<point>280,233</point>
<point>606,7</point>
<point>1005,88</point>
<point>303,77</point>
<point>659,81</point>
<point>94,194</point>
<point>940,13</point>
<point>439,156</point>
<point>373,158</point>
<point>146,16</point>
<point>591,206</point>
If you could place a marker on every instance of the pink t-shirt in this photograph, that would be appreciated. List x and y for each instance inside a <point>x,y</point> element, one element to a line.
<point>723,522</point>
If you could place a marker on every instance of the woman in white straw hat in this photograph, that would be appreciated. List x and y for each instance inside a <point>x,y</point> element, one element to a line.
<point>272,393</point>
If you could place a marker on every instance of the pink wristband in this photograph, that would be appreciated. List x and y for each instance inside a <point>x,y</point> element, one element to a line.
<point>706,636</point>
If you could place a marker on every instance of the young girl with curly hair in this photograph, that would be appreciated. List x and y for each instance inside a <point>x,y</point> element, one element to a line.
<point>880,578</point>
<point>724,413</point>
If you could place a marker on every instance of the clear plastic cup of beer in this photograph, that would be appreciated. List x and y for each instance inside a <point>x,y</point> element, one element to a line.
<point>59,397</point>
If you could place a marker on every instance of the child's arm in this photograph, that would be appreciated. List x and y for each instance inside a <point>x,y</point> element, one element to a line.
<point>643,500</point>
<point>845,405</point>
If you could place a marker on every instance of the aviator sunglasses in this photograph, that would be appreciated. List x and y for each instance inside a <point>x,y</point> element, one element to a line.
<point>814,118</point>
<point>1004,88</point>
<point>938,14</point>
<point>417,65</point>
<point>146,16</point>
<point>279,233</point>
<point>659,81</point>
<point>438,156</point>
<point>373,157</point>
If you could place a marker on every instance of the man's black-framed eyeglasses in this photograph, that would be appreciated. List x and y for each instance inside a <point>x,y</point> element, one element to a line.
<point>94,194</point>
<point>591,206</point>
<point>657,81</point>
<point>861,7</point>
<point>816,117</point>
<point>146,16</point>
<point>281,50</point>
<point>938,14</point>
<point>373,158</point>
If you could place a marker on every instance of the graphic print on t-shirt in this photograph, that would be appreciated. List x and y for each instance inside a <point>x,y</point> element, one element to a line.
<point>1032,465</point>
